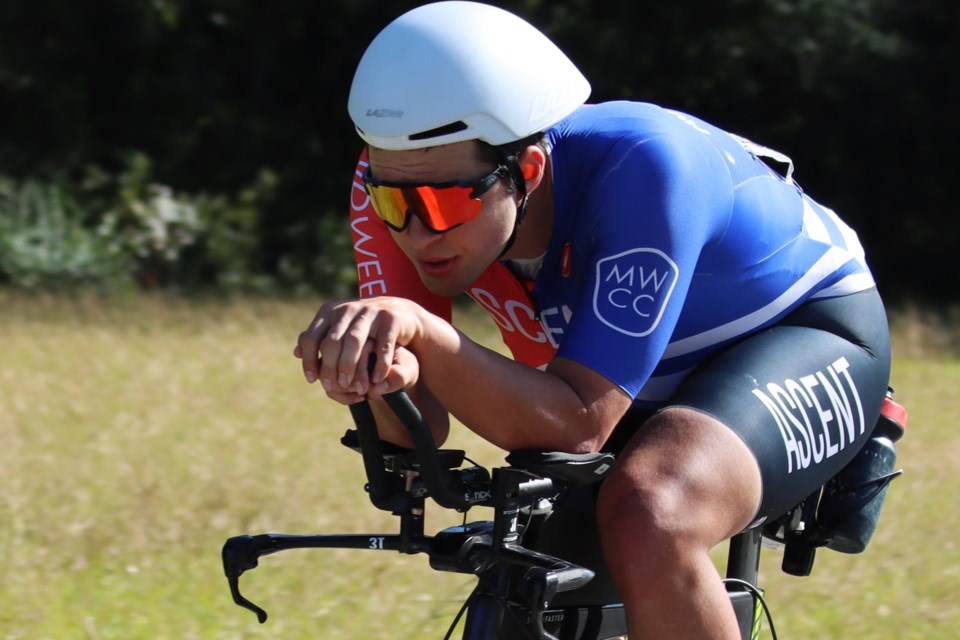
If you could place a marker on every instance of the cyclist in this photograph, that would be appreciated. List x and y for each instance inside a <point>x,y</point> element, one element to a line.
<point>665,293</point>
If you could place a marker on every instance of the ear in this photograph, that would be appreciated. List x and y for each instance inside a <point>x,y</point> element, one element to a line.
<point>533,165</point>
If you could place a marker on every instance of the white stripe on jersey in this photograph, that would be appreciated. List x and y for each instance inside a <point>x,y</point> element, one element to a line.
<point>813,226</point>
<point>851,284</point>
<point>829,262</point>
<point>815,221</point>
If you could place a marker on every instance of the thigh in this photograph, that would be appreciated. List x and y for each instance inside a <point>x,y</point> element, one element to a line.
<point>803,395</point>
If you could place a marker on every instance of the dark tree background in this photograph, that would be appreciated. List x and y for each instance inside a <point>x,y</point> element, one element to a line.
<point>861,93</point>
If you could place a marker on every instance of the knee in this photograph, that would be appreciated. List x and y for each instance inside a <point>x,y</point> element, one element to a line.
<point>636,511</point>
<point>685,483</point>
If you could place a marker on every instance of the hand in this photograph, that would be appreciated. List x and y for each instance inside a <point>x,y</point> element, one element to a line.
<point>339,342</point>
<point>402,374</point>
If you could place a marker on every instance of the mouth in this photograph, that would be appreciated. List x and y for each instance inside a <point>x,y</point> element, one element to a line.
<point>436,267</point>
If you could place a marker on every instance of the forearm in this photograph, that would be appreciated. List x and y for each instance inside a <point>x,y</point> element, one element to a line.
<point>568,407</point>
<point>512,405</point>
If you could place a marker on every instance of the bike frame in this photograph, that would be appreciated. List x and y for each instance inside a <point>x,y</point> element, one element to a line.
<point>523,592</point>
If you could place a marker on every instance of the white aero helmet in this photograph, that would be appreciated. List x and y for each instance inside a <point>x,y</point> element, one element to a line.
<point>452,71</point>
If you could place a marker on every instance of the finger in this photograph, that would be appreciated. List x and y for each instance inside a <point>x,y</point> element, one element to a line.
<point>308,345</point>
<point>363,380</point>
<point>330,347</point>
<point>403,374</point>
<point>344,397</point>
<point>386,348</point>
<point>353,350</point>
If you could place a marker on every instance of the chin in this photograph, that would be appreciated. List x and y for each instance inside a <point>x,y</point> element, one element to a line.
<point>446,288</point>
<point>448,285</point>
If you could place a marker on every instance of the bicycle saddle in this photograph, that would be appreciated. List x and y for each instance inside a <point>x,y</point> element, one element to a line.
<point>573,469</point>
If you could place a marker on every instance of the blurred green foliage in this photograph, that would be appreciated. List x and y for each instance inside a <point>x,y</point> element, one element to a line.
<point>116,230</point>
<point>215,95</point>
<point>44,243</point>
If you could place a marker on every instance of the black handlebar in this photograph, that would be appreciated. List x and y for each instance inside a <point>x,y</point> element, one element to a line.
<point>441,484</point>
<point>468,549</point>
<point>448,489</point>
<point>380,485</point>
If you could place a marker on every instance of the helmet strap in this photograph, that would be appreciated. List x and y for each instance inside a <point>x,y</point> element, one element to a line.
<point>510,160</point>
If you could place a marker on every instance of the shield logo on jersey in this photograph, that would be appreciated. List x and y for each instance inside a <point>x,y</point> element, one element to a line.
<point>632,290</point>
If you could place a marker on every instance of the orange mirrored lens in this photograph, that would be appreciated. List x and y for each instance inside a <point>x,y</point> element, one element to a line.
<point>440,209</point>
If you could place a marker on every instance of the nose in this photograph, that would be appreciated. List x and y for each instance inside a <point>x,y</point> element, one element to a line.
<point>418,235</point>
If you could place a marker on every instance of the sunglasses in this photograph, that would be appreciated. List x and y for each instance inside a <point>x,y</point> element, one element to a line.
<point>440,207</point>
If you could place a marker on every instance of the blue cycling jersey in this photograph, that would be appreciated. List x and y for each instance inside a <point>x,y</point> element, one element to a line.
<point>672,238</point>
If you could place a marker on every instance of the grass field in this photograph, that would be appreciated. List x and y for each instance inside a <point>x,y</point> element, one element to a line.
<point>137,434</point>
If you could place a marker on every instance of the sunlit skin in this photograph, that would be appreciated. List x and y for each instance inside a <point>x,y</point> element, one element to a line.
<point>448,262</point>
<point>683,484</point>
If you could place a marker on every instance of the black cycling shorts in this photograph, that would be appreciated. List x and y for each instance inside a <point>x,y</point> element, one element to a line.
<point>804,394</point>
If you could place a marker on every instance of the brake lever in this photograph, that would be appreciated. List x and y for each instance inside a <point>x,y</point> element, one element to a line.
<point>242,553</point>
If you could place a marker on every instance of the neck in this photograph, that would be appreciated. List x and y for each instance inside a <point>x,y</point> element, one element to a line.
<point>533,235</point>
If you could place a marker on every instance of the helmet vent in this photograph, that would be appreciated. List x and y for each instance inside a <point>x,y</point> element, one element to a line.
<point>446,129</point>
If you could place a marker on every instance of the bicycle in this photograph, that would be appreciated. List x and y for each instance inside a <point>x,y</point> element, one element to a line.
<point>533,581</point>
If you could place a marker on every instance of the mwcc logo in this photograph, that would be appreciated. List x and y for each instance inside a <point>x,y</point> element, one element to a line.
<point>632,290</point>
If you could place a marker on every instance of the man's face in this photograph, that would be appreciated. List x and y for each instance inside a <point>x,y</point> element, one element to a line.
<point>449,262</point>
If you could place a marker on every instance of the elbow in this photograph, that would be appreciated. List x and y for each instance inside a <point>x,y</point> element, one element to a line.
<point>560,438</point>
<point>573,445</point>
<point>584,434</point>
<point>588,445</point>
